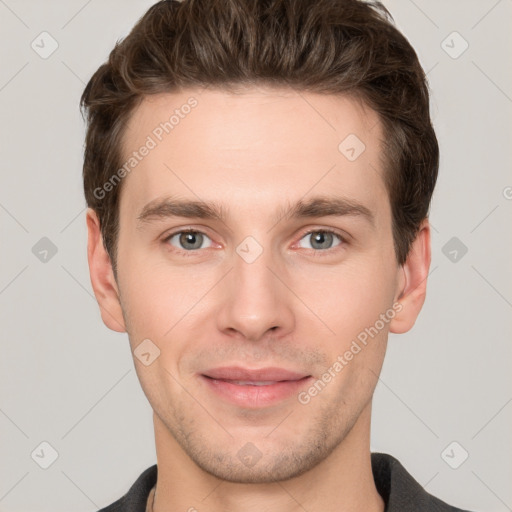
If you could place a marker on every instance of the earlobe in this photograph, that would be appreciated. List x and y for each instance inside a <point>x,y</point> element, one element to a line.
<point>412,285</point>
<point>102,276</point>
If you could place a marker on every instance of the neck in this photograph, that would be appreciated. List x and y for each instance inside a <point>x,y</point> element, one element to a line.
<point>342,482</point>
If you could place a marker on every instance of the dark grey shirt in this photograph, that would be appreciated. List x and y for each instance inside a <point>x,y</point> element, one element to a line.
<point>398,489</point>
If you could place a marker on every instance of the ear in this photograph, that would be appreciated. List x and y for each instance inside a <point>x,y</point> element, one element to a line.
<point>412,283</point>
<point>102,276</point>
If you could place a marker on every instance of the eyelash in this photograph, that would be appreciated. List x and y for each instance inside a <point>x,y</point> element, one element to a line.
<point>319,252</point>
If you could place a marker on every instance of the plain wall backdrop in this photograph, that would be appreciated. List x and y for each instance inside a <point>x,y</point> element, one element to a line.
<point>68,382</point>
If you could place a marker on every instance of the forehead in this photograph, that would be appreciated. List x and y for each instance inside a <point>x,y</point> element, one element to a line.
<point>253,146</point>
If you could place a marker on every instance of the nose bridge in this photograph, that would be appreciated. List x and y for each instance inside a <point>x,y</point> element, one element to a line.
<point>256,301</point>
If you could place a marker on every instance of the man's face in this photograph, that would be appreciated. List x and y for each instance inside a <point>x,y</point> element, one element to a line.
<point>254,290</point>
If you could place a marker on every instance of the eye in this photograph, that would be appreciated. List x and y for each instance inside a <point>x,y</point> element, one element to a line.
<point>321,239</point>
<point>188,240</point>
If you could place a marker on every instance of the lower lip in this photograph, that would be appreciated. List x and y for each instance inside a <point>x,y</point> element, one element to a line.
<point>256,396</point>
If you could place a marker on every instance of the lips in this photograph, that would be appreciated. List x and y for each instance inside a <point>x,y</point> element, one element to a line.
<point>256,388</point>
<point>258,377</point>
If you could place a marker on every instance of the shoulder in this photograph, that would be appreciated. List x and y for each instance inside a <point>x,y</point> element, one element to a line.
<point>401,491</point>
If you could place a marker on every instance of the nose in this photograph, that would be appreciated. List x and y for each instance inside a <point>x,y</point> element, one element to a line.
<point>254,302</point>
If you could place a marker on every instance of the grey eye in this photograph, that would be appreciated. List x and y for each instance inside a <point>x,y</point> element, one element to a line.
<point>188,240</point>
<point>321,239</point>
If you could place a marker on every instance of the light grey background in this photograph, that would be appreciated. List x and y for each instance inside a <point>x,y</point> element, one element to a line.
<point>69,381</point>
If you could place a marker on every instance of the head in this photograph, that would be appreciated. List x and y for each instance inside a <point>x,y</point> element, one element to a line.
<point>293,139</point>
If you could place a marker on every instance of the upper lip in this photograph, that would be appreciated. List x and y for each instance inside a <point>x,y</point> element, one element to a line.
<point>258,374</point>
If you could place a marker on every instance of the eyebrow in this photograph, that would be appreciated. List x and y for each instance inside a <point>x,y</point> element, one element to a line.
<point>319,206</point>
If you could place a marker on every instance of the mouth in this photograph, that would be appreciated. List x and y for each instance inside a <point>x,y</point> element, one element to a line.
<point>254,388</point>
<point>249,382</point>
<point>251,375</point>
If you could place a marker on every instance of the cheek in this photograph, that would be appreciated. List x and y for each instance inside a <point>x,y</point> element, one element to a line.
<point>347,298</point>
<point>162,301</point>
<point>351,305</point>
<point>147,296</point>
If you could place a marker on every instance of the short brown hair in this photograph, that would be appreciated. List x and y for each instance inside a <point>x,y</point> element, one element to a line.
<point>346,47</point>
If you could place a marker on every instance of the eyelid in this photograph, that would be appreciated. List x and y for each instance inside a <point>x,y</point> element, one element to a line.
<point>167,237</point>
<point>343,239</point>
<point>333,231</point>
